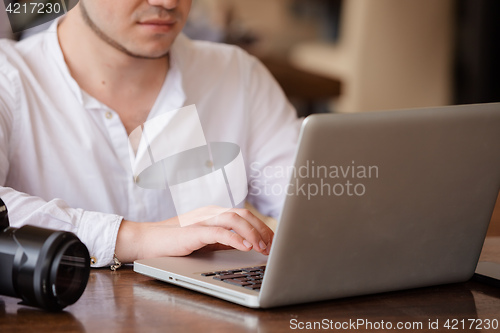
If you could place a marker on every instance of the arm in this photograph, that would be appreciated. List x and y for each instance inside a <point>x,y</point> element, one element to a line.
<point>97,230</point>
<point>168,238</point>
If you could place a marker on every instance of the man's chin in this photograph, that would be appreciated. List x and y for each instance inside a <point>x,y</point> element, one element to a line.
<point>152,56</point>
<point>151,50</point>
<point>147,53</point>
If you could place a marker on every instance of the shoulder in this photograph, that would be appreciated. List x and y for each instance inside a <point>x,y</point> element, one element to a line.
<point>15,56</point>
<point>10,83</point>
<point>9,73</point>
<point>18,63</point>
<point>8,50</point>
<point>216,70</point>
<point>20,57</point>
<point>23,48</point>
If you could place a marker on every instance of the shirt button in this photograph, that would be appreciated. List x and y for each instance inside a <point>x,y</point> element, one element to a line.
<point>93,260</point>
<point>108,115</point>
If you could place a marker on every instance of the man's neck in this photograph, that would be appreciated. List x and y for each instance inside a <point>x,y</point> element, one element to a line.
<point>127,84</point>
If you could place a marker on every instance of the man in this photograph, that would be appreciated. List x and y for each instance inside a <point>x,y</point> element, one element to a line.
<point>69,97</point>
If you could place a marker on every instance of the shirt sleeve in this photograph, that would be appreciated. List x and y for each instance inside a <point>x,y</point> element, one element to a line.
<point>98,231</point>
<point>274,134</point>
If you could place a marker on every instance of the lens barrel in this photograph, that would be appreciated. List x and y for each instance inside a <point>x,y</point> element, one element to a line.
<point>45,268</point>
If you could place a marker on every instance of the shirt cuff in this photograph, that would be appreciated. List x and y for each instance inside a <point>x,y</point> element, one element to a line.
<point>98,231</point>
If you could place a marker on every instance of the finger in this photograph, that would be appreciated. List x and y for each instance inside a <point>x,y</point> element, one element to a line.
<point>233,221</point>
<point>266,232</point>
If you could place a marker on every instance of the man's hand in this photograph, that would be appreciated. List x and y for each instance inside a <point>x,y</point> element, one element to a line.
<point>180,236</point>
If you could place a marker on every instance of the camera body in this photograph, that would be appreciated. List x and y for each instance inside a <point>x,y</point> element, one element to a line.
<point>45,268</point>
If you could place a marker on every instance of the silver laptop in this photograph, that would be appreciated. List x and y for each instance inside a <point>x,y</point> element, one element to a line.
<point>392,200</point>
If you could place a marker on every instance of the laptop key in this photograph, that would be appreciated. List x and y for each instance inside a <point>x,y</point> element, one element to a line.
<point>237,282</point>
<point>229,276</point>
<point>250,269</point>
<point>221,272</point>
<point>208,274</point>
<point>253,286</point>
<point>243,278</point>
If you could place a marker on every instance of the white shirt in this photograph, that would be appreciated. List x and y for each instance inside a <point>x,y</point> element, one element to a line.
<point>64,159</point>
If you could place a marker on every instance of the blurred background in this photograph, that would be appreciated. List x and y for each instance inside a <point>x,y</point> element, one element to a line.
<point>363,55</point>
<point>359,55</point>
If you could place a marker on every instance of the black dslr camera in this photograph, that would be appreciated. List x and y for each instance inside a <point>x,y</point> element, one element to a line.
<point>45,268</point>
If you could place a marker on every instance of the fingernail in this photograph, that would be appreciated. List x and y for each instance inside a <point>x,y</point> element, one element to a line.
<point>262,245</point>
<point>247,243</point>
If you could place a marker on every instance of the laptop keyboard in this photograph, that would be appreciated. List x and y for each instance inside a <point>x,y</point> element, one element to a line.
<point>248,277</point>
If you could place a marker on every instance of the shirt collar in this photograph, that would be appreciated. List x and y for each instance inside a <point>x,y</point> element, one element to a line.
<point>172,94</point>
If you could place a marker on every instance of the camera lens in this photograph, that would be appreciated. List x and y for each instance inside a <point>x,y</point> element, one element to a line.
<point>50,269</point>
<point>69,272</point>
<point>45,268</point>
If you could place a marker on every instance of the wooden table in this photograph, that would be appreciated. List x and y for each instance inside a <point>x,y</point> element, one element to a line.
<point>124,301</point>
